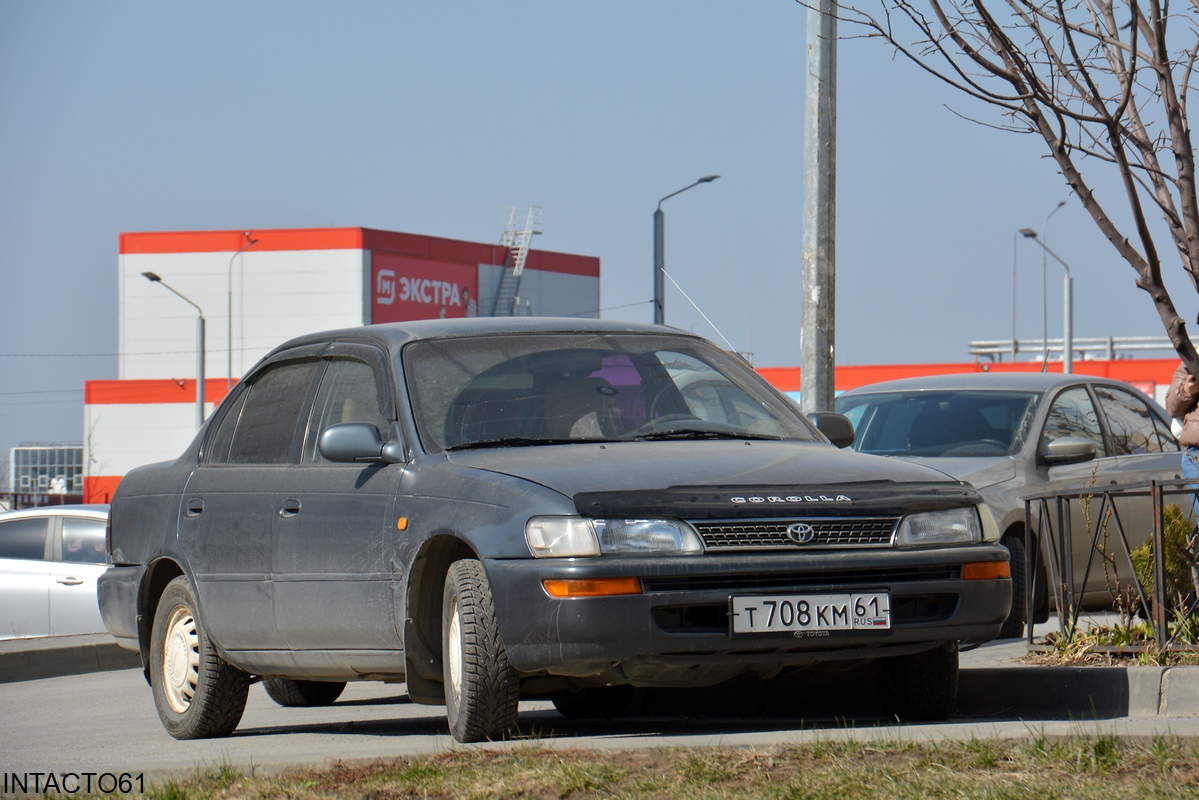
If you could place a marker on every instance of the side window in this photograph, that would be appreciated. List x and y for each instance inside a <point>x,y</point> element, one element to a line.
<point>24,538</point>
<point>216,451</point>
<point>266,427</point>
<point>1073,414</point>
<point>350,391</point>
<point>1129,421</point>
<point>83,540</point>
<point>1165,435</point>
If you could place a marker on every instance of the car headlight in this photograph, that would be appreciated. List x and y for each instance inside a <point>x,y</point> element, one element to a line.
<point>936,528</point>
<point>567,537</point>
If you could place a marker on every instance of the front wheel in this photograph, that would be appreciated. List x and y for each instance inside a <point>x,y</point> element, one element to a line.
<point>1013,626</point>
<point>302,694</point>
<point>196,693</point>
<point>482,688</point>
<point>923,687</point>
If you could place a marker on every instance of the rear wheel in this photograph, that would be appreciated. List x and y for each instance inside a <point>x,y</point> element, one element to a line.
<point>1013,626</point>
<point>606,702</point>
<point>482,688</point>
<point>196,693</point>
<point>923,687</point>
<point>302,694</point>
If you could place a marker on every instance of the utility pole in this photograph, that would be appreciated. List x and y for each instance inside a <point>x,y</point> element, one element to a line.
<point>818,307</point>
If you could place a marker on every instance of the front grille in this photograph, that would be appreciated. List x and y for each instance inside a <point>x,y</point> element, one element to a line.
<point>821,580</point>
<point>771,534</point>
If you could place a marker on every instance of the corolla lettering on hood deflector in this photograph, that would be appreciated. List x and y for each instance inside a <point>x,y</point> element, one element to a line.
<point>791,498</point>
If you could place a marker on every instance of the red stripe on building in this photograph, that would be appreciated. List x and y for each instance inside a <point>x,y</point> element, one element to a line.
<point>232,241</point>
<point>407,244</point>
<point>99,488</point>
<point>101,393</point>
<point>1138,371</point>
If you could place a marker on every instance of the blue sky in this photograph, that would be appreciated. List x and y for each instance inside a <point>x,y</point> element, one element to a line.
<point>433,117</point>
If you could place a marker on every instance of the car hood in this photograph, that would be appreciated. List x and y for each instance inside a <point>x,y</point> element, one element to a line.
<point>978,472</point>
<point>723,478</point>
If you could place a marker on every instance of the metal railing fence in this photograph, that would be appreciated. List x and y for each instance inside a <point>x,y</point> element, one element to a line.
<point>1115,539</point>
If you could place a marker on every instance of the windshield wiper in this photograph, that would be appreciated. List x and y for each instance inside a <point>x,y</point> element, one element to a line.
<point>702,433</point>
<point>518,441</point>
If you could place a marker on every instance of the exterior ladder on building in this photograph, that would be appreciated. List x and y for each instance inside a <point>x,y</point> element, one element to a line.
<point>516,239</point>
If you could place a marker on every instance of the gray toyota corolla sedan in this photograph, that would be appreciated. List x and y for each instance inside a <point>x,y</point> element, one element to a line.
<point>1015,434</point>
<point>492,509</point>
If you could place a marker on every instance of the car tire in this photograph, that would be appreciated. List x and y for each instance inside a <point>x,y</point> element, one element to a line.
<point>482,688</point>
<point>302,694</point>
<point>1013,626</point>
<point>197,694</point>
<point>923,687</point>
<point>606,702</point>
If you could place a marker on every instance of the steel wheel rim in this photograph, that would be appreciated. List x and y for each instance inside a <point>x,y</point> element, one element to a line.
<point>180,659</point>
<point>454,651</point>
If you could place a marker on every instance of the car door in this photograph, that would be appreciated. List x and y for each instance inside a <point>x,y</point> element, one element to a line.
<point>332,580</point>
<point>228,508</point>
<point>1146,451</point>
<point>1073,413</point>
<point>79,559</point>
<point>24,577</point>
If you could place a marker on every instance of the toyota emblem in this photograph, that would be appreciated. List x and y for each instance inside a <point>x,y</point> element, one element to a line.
<point>801,533</point>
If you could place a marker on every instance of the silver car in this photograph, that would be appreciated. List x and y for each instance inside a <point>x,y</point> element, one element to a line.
<point>50,559</point>
<point>1016,434</point>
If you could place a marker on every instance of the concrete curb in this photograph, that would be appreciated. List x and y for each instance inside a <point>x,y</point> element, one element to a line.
<point>56,656</point>
<point>1079,692</point>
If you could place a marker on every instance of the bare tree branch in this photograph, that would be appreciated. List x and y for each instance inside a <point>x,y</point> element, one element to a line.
<point>1105,86</point>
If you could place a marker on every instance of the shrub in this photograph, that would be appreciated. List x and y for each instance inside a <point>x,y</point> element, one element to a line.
<point>1179,536</point>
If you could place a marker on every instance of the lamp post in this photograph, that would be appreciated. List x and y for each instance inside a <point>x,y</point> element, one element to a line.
<point>229,338</point>
<point>1015,250</point>
<point>1067,309</point>
<point>660,252</point>
<point>1044,293</point>
<point>154,278</point>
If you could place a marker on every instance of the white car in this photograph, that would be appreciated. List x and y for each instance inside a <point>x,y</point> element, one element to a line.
<point>50,559</point>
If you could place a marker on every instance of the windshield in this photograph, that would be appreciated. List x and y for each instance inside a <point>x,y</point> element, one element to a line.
<point>939,423</point>
<point>521,389</point>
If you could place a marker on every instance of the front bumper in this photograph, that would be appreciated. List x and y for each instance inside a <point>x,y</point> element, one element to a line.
<point>677,631</point>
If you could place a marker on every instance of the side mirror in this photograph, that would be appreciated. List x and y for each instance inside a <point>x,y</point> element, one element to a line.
<point>352,442</point>
<point>1070,450</point>
<point>836,427</point>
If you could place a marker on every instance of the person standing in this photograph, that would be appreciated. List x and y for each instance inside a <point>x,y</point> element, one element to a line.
<point>1182,403</point>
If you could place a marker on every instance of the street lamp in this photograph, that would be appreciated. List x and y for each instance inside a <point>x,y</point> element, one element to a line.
<point>1068,306</point>
<point>229,338</point>
<point>154,278</point>
<point>1044,293</point>
<point>660,252</point>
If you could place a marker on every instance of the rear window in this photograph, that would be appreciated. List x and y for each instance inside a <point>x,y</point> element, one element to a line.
<point>24,538</point>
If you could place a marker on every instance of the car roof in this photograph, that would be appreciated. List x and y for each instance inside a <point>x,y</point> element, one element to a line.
<point>996,381</point>
<point>395,334</point>
<point>66,510</point>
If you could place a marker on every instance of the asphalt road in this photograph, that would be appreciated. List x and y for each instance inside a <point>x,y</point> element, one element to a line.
<point>105,723</point>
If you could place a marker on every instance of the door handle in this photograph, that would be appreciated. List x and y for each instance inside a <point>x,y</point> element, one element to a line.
<point>289,507</point>
<point>70,581</point>
<point>194,507</point>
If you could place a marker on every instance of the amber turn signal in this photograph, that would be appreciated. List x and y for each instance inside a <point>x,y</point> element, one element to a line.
<point>594,587</point>
<point>986,570</point>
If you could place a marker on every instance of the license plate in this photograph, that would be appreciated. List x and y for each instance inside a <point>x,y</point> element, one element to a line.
<point>858,611</point>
